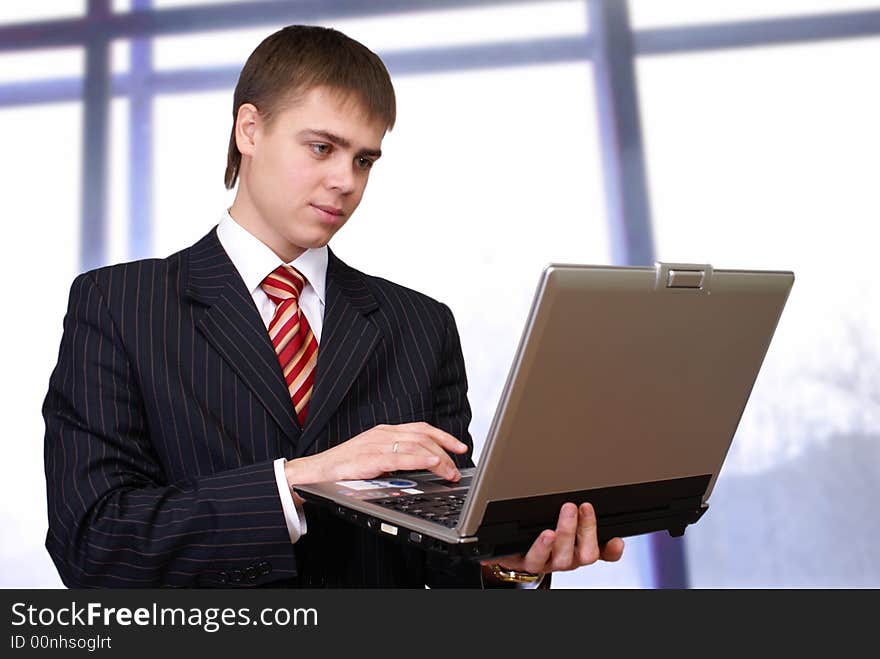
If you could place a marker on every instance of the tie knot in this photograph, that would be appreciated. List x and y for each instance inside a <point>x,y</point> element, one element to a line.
<point>283,283</point>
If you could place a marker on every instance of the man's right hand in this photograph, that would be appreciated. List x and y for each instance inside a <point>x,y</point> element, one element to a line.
<point>380,450</point>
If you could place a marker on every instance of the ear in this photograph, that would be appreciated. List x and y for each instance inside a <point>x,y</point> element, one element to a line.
<point>246,122</point>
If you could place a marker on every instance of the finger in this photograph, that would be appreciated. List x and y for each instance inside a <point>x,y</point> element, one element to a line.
<point>563,557</point>
<point>436,435</point>
<point>540,552</point>
<point>451,472</point>
<point>415,443</point>
<point>612,550</point>
<point>407,461</point>
<point>538,555</point>
<point>587,540</point>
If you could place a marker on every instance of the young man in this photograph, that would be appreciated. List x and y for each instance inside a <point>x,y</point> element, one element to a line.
<point>193,393</point>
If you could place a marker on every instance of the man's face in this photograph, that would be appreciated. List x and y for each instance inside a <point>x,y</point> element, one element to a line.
<point>306,172</point>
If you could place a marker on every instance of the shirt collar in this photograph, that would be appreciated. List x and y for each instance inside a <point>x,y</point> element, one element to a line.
<point>254,260</point>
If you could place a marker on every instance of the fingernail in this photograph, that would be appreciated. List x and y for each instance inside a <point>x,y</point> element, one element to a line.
<point>433,460</point>
<point>546,540</point>
<point>569,511</point>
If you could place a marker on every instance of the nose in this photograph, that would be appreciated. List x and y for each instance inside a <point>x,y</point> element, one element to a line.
<point>340,176</point>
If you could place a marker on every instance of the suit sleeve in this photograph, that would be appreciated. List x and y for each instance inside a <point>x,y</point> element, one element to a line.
<point>114,519</point>
<point>452,413</point>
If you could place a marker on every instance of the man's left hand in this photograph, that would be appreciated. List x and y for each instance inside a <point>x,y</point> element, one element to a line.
<point>574,543</point>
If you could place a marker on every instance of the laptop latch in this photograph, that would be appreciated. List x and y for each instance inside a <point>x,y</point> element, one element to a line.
<point>683,277</point>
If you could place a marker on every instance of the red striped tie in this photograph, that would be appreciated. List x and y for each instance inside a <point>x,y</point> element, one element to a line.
<point>294,342</point>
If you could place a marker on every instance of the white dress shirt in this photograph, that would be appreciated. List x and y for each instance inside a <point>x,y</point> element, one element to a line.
<point>254,261</point>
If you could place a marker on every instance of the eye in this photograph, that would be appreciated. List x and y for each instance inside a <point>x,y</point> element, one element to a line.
<point>320,148</point>
<point>363,163</point>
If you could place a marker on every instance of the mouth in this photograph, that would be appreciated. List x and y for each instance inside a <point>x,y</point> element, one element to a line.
<point>328,214</point>
<point>329,210</point>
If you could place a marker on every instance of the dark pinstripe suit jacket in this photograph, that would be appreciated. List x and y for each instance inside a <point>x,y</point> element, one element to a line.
<point>168,406</point>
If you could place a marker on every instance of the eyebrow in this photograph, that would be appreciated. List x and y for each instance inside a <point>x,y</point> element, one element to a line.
<point>339,141</point>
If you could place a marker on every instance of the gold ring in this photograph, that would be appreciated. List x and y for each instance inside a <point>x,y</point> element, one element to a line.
<point>515,576</point>
<point>395,447</point>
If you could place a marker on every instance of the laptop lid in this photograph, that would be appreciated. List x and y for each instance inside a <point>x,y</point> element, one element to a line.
<point>628,382</point>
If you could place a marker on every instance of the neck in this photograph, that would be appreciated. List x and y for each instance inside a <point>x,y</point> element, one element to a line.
<point>249,218</point>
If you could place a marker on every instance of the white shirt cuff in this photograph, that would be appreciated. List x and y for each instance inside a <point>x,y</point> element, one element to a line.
<point>294,516</point>
<point>531,585</point>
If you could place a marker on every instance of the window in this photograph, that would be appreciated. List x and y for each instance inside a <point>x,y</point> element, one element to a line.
<point>41,174</point>
<point>765,159</point>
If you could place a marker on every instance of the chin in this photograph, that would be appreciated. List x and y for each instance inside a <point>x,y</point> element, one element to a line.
<point>313,241</point>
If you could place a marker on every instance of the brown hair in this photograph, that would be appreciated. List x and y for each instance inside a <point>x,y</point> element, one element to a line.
<point>298,58</point>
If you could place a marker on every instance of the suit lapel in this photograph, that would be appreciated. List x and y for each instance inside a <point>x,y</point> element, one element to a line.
<point>348,338</point>
<point>232,325</point>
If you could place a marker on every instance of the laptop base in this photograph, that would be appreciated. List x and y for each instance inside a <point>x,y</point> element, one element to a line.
<point>511,526</point>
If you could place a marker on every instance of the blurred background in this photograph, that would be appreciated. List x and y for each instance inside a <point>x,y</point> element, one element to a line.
<point>739,133</point>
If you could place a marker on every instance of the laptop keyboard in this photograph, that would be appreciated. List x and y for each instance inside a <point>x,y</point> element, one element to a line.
<point>441,508</point>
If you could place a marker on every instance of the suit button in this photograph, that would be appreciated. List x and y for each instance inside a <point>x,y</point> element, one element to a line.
<point>264,567</point>
<point>236,576</point>
<point>250,573</point>
<point>223,577</point>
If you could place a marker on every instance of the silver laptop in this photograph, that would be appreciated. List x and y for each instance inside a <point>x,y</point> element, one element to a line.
<point>626,390</point>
